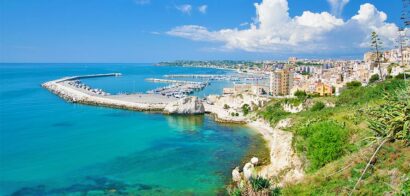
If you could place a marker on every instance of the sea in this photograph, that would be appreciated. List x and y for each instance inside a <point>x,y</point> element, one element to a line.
<point>51,147</point>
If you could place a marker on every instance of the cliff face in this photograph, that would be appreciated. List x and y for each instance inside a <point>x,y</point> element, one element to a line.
<point>187,105</point>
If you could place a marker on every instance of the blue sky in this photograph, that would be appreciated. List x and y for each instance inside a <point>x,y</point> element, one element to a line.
<point>159,30</point>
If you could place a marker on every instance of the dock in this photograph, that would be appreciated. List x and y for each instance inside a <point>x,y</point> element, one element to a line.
<point>159,80</point>
<point>72,90</point>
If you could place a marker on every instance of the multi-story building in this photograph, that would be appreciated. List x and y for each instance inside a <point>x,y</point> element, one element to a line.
<point>281,82</point>
<point>324,89</point>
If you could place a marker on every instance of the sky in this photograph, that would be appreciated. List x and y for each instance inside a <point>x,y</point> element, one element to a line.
<point>137,31</point>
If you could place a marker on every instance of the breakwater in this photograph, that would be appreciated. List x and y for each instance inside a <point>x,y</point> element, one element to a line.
<point>69,90</point>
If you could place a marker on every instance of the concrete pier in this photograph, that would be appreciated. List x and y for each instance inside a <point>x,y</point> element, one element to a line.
<point>171,81</point>
<point>67,89</point>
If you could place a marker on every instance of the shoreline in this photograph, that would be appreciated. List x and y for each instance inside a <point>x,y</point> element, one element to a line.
<point>283,161</point>
<point>284,164</point>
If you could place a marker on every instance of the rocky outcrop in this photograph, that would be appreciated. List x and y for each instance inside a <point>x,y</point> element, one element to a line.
<point>228,108</point>
<point>187,105</point>
<point>292,109</point>
<point>285,164</point>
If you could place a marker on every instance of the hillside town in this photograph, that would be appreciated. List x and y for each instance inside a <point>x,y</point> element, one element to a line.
<point>317,77</point>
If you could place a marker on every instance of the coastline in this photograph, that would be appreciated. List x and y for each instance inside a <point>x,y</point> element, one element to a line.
<point>284,164</point>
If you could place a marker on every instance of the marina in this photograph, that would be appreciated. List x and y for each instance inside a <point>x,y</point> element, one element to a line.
<point>72,90</point>
<point>179,90</point>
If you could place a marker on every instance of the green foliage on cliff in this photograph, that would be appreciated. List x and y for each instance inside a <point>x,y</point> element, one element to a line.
<point>317,106</point>
<point>325,142</point>
<point>337,142</point>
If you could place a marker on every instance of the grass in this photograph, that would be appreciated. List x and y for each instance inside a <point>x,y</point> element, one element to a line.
<point>333,142</point>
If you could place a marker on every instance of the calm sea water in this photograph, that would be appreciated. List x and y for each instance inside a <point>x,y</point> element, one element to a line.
<point>48,146</point>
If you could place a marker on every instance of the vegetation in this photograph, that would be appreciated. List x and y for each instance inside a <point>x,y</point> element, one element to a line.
<point>360,146</point>
<point>353,84</point>
<point>226,107</point>
<point>376,45</point>
<point>374,78</point>
<point>300,94</point>
<point>402,76</point>
<point>259,183</point>
<point>325,140</point>
<point>317,106</point>
<point>246,109</point>
<point>274,112</point>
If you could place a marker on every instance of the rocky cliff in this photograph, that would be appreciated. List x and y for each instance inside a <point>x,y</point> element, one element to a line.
<point>187,105</point>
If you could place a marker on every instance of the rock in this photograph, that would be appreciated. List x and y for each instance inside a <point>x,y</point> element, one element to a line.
<point>248,170</point>
<point>187,105</point>
<point>292,109</point>
<point>236,176</point>
<point>254,160</point>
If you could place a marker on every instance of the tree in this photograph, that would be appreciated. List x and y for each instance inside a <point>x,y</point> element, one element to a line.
<point>374,78</point>
<point>376,45</point>
<point>245,109</point>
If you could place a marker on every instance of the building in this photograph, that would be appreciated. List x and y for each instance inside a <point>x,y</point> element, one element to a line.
<point>324,89</point>
<point>281,82</point>
<point>292,60</point>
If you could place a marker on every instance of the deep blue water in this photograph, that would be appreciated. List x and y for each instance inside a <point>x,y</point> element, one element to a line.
<point>48,146</point>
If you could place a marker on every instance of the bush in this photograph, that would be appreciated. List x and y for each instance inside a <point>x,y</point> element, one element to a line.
<point>353,84</point>
<point>276,192</point>
<point>360,95</point>
<point>226,107</point>
<point>300,94</point>
<point>235,192</point>
<point>259,183</point>
<point>402,75</point>
<point>274,112</point>
<point>326,141</point>
<point>374,78</point>
<point>317,106</point>
<point>245,109</point>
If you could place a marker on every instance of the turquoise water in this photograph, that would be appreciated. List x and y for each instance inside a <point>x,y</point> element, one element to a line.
<point>48,146</point>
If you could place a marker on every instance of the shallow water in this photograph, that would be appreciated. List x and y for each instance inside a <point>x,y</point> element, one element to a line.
<point>48,146</point>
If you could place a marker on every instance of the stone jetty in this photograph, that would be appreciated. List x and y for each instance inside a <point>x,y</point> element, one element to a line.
<point>73,91</point>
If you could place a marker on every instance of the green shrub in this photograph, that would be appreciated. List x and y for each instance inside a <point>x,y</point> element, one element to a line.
<point>402,76</point>
<point>276,192</point>
<point>405,188</point>
<point>259,183</point>
<point>226,107</point>
<point>374,78</point>
<point>274,112</point>
<point>353,84</point>
<point>235,192</point>
<point>245,109</point>
<point>317,106</point>
<point>360,95</point>
<point>326,141</point>
<point>300,94</point>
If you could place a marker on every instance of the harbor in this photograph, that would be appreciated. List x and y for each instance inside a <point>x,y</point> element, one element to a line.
<point>178,89</point>
<point>73,90</point>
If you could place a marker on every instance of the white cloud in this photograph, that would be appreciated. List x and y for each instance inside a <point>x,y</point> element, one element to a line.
<point>185,8</point>
<point>273,30</point>
<point>244,24</point>
<point>203,9</point>
<point>142,2</point>
<point>337,6</point>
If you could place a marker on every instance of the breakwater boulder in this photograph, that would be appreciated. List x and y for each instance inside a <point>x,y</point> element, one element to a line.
<point>187,105</point>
